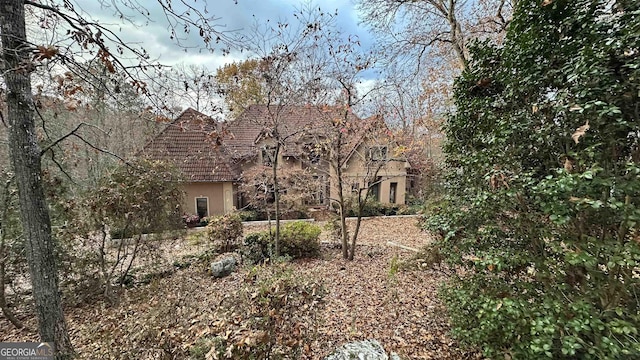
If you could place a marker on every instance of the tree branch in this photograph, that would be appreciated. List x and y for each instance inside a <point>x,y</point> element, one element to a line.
<point>61,139</point>
<point>74,132</point>
<point>105,151</point>
<point>55,161</point>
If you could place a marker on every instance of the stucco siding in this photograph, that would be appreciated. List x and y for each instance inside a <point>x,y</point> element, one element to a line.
<point>358,171</point>
<point>215,194</point>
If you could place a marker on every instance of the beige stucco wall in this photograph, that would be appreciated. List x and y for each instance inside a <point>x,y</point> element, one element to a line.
<point>385,187</point>
<point>359,171</point>
<point>220,197</point>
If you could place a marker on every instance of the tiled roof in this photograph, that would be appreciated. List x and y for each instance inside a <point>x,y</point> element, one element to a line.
<point>191,142</point>
<point>293,122</point>
<point>205,151</point>
<point>372,128</point>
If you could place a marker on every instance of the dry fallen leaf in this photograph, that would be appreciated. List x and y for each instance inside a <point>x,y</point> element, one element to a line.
<point>363,301</point>
<point>547,2</point>
<point>580,132</point>
<point>71,104</point>
<point>568,165</point>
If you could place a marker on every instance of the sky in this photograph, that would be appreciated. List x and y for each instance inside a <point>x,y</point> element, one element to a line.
<point>236,16</point>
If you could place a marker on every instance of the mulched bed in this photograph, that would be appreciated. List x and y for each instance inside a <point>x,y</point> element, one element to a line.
<point>366,299</point>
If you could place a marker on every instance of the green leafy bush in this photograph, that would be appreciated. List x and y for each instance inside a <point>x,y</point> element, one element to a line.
<point>543,186</point>
<point>294,214</point>
<point>376,208</point>
<point>298,239</point>
<point>257,247</point>
<point>225,232</point>
<point>204,221</point>
<point>261,215</point>
<point>249,215</point>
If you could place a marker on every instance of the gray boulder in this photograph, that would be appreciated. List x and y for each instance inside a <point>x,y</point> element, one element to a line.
<point>362,350</point>
<point>223,267</point>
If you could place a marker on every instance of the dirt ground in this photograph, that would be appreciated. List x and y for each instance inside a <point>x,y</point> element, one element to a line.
<point>365,300</point>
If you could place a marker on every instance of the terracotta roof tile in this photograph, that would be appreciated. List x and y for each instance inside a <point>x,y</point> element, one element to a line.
<point>191,143</point>
<point>206,151</point>
<point>293,122</point>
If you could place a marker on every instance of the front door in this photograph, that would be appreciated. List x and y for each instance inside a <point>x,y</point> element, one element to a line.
<point>202,207</point>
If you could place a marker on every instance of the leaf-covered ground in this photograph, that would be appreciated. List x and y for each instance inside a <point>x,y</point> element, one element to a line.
<point>366,299</point>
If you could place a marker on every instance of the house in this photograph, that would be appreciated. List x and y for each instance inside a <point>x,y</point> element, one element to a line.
<point>253,136</point>
<point>217,159</point>
<point>191,143</point>
<point>375,160</point>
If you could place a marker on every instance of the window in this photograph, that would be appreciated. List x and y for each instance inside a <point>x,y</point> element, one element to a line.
<point>355,187</point>
<point>393,189</point>
<point>268,155</point>
<point>313,152</point>
<point>378,153</point>
<point>240,200</point>
<point>202,206</point>
<point>374,189</point>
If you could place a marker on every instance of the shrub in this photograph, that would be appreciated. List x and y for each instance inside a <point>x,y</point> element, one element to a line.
<point>370,208</point>
<point>225,232</point>
<point>376,208</point>
<point>257,247</point>
<point>298,239</point>
<point>544,236</point>
<point>204,221</point>
<point>143,197</point>
<point>249,215</point>
<point>271,317</point>
<point>294,214</point>
<point>191,220</point>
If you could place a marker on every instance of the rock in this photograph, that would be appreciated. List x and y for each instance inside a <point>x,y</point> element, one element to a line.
<point>223,267</point>
<point>362,350</point>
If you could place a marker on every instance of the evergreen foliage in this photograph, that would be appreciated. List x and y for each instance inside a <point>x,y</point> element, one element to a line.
<point>299,240</point>
<point>543,178</point>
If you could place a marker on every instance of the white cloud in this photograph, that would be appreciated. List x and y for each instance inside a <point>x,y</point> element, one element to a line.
<point>155,36</point>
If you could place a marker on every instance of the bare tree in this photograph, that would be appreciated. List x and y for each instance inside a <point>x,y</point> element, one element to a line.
<point>191,85</point>
<point>412,32</point>
<point>345,139</point>
<point>290,69</point>
<point>77,35</point>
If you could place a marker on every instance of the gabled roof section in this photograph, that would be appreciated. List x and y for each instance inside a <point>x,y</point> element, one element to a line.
<point>293,122</point>
<point>192,143</point>
<point>372,128</point>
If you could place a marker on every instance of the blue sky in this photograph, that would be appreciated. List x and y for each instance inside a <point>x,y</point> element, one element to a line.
<point>237,16</point>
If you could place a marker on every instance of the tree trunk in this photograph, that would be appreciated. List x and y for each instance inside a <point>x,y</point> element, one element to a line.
<point>356,230</point>
<point>25,157</point>
<point>343,217</point>
<point>276,198</point>
<point>352,246</point>
<point>456,37</point>
<point>4,209</point>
